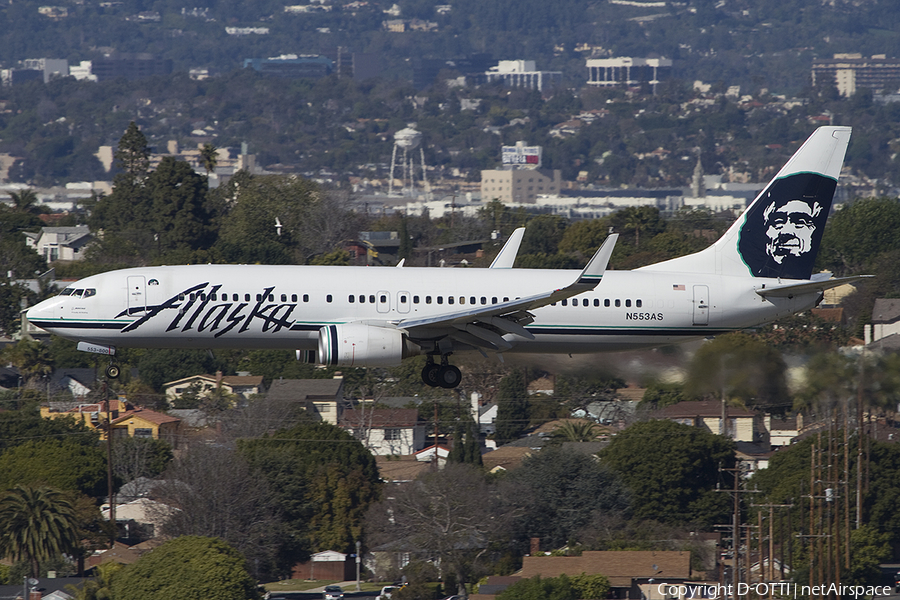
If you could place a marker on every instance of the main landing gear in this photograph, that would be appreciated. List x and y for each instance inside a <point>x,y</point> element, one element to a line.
<point>442,375</point>
<point>112,371</point>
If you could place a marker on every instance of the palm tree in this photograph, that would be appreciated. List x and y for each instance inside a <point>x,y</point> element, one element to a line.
<point>208,153</point>
<point>24,201</point>
<point>36,524</point>
<point>575,431</point>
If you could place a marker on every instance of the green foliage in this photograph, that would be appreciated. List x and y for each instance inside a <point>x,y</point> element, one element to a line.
<point>591,587</point>
<point>576,390</point>
<point>37,524</point>
<point>99,588</point>
<point>324,481</point>
<point>672,471</point>
<point>140,457</point>
<point>187,567</point>
<point>512,408</point>
<point>66,464</point>
<point>660,395</point>
<point>869,548</point>
<point>859,233</point>
<point>562,492</point>
<point>160,366</point>
<point>538,588</point>
<point>30,357</point>
<point>26,425</point>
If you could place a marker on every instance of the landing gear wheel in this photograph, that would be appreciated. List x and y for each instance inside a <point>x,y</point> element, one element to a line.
<point>112,371</point>
<point>449,376</point>
<point>430,374</point>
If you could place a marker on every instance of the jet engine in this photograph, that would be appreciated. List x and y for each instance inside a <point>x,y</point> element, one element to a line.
<point>359,345</point>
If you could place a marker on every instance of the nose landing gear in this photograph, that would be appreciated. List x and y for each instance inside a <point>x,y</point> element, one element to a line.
<point>112,371</point>
<point>444,375</point>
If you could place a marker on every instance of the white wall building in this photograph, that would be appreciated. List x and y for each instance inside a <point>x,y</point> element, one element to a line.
<point>523,74</point>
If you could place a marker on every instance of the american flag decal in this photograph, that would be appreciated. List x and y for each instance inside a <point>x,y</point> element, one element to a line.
<point>678,287</point>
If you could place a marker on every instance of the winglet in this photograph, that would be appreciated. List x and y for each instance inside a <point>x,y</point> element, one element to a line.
<point>595,268</point>
<point>507,255</point>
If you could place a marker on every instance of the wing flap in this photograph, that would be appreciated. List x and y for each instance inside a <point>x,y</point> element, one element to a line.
<point>807,287</point>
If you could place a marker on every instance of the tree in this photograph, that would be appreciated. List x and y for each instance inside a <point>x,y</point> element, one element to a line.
<point>132,156</point>
<point>578,390</point>
<point>67,464</point>
<point>31,358</point>
<point>187,567</point>
<point>672,471</point>
<point>36,525</point>
<point>215,493</point>
<point>451,516</point>
<point>24,201</point>
<point>564,587</point>
<point>181,219</point>
<point>512,408</point>
<point>209,155</point>
<point>140,457</point>
<point>575,431</point>
<point>560,492</point>
<point>323,480</point>
<point>858,233</point>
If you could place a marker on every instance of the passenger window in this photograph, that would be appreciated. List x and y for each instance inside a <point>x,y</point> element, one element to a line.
<point>494,300</point>
<point>505,299</point>
<point>202,295</point>
<point>271,297</point>
<point>181,297</point>
<point>483,300</point>
<point>565,302</point>
<point>351,298</point>
<point>259,297</point>
<point>306,297</point>
<point>328,298</point>
<point>403,299</point>
<point>371,298</point>
<point>383,298</point>
<point>449,299</point>
<point>440,299</point>
<point>415,299</point>
<point>235,297</point>
<point>606,302</point>
<point>293,298</point>
<point>585,302</point>
<point>284,297</point>
<point>628,303</point>
<point>596,302</point>
<point>553,304</point>
<point>638,303</point>
<point>212,296</point>
<point>618,303</point>
<point>362,298</point>
<point>462,299</point>
<point>246,297</point>
<point>471,299</point>
<point>427,299</point>
<point>193,297</point>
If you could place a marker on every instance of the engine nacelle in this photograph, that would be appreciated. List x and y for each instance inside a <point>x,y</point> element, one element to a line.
<point>307,356</point>
<point>359,345</point>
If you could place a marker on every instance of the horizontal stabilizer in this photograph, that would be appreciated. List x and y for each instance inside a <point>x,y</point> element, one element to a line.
<point>807,287</point>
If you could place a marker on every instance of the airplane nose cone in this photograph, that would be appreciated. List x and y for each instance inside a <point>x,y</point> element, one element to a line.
<point>41,311</point>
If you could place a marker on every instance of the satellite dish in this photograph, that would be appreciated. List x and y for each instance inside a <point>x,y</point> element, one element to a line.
<point>33,581</point>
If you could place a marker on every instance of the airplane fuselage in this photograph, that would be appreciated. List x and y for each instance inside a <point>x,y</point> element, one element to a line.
<point>254,306</point>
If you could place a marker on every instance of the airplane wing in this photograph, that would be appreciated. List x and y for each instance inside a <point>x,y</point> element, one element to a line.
<point>507,255</point>
<point>792,289</point>
<point>484,325</point>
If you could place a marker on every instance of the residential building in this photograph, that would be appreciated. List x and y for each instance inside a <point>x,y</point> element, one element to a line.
<point>93,415</point>
<point>740,424</point>
<point>145,423</point>
<point>631,573</point>
<point>322,398</point>
<point>243,385</point>
<point>60,243</point>
<point>849,72</point>
<point>386,431</point>
<point>329,564</point>
<point>522,74</point>
<point>885,325</point>
<point>626,71</point>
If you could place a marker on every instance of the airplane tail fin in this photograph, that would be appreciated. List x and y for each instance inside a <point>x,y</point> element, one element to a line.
<point>780,232</point>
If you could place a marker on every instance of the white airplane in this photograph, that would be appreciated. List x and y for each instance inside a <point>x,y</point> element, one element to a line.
<point>760,270</point>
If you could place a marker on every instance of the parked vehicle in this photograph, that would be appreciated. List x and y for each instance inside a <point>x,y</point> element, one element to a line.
<point>333,592</point>
<point>386,592</point>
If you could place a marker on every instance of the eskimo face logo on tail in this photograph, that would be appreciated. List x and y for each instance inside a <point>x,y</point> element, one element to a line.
<point>782,232</point>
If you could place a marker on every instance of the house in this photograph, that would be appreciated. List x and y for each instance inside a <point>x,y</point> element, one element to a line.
<point>427,455</point>
<point>631,574</point>
<point>329,564</point>
<point>400,469</point>
<point>243,385</point>
<point>77,381</point>
<point>60,243</point>
<point>783,430</point>
<point>885,320</point>
<point>505,458</point>
<point>741,425</point>
<point>145,423</point>
<point>93,415</point>
<point>386,431</point>
<point>322,398</point>
<point>139,519</point>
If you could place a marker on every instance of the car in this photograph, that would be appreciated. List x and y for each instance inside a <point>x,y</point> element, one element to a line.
<point>386,592</point>
<point>333,592</point>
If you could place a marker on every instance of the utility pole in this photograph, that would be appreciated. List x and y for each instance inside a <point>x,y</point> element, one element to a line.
<point>109,468</point>
<point>736,492</point>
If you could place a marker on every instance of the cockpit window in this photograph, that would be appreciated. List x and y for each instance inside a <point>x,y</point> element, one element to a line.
<point>77,293</point>
<point>66,292</point>
<point>89,292</point>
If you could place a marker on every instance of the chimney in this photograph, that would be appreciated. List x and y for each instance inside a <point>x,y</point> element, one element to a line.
<point>218,379</point>
<point>535,546</point>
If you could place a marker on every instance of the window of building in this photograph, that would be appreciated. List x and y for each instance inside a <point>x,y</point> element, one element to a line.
<point>392,434</point>
<point>143,432</point>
